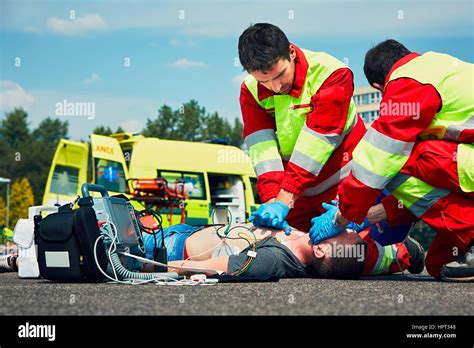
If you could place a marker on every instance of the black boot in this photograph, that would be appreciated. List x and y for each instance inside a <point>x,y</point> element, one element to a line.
<point>417,255</point>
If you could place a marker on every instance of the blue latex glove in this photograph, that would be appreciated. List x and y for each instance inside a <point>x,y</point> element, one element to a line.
<point>323,226</point>
<point>359,227</point>
<point>272,215</point>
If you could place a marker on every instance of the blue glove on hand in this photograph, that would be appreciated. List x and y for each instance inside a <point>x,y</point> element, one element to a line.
<point>323,226</point>
<point>271,215</point>
<point>359,227</point>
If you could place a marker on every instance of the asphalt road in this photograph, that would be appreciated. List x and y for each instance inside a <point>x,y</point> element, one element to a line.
<point>387,295</point>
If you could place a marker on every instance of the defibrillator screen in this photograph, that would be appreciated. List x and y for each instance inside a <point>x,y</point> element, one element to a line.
<point>125,221</point>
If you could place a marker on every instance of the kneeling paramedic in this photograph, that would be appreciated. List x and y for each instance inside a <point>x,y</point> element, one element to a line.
<point>423,155</point>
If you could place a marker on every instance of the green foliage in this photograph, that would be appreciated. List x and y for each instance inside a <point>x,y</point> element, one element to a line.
<point>101,130</point>
<point>50,131</point>
<point>191,122</point>
<point>14,129</point>
<point>21,198</point>
<point>28,154</point>
<point>423,234</point>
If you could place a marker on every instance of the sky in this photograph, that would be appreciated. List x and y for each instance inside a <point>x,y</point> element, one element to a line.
<point>126,59</point>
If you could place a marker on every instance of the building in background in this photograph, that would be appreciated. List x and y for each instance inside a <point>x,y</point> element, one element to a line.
<point>367,100</point>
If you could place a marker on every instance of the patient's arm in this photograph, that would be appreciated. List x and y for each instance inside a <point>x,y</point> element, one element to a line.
<point>218,263</point>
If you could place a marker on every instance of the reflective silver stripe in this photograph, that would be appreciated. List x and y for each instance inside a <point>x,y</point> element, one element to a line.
<point>422,205</point>
<point>268,166</point>
<point>259,136</point>
<point>379,259</point>
<point>370,179</point>
<point>306,162</point>
<point>332,139</point>
<point>333,180</point>
<point>387,144</point>
<point>399,179</point>
<point>453,131</point>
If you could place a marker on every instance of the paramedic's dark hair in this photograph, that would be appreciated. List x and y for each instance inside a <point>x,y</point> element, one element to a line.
<point>344,267</point>
<point>380,59</point>
<point>261,46</point>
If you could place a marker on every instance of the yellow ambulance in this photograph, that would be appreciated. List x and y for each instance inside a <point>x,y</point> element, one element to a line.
<point>214,175</point>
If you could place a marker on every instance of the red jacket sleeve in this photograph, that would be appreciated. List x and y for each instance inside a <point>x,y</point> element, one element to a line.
<point>255,118</point>
<point>328,116</point>
<point>397,214</point>
<point>396,121</point>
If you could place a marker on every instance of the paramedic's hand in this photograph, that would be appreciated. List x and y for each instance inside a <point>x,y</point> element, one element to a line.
<point>272,215</point>
<point>359,227</point>
<point>323,226</point>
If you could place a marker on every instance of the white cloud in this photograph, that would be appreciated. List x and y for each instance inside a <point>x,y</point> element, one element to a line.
<point>94,77</point>
<point>239,78</point>
<point>346,18</point>
<point>78,26</point>
<point>13,95</point>
<point>132,126</point>
<point>187,64</point>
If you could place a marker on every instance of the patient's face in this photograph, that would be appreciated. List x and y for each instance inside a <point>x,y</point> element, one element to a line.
<point>327,245</point>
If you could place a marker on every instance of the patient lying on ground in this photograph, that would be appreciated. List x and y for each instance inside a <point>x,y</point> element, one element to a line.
<point>225,248</point>
<point>272,253</point>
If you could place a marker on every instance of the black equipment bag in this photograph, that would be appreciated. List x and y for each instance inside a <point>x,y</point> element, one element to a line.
<point>66,246</point>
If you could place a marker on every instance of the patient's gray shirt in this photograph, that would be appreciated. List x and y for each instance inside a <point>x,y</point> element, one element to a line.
<point>273,260</point>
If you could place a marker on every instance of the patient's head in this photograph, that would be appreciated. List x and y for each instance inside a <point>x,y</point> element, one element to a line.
<point>340,257</point>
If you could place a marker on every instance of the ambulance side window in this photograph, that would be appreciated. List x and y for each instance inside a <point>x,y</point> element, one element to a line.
<point>110,174</point>
<point>65,180</point>
<point>193,182</point>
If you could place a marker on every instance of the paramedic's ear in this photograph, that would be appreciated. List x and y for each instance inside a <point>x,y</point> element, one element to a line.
<point>292,52</point>
<point>377,86</point>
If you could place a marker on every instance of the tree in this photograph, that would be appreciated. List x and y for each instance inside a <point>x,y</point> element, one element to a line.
<point>165,126</point>
<point>28,154</point>
<point>192,121</point>
<point>21,198</point>
<point>236,138</point>
<point>50,131</point>
<point>14,128</point>
<point>216,127</point>
<point>101,130</point>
